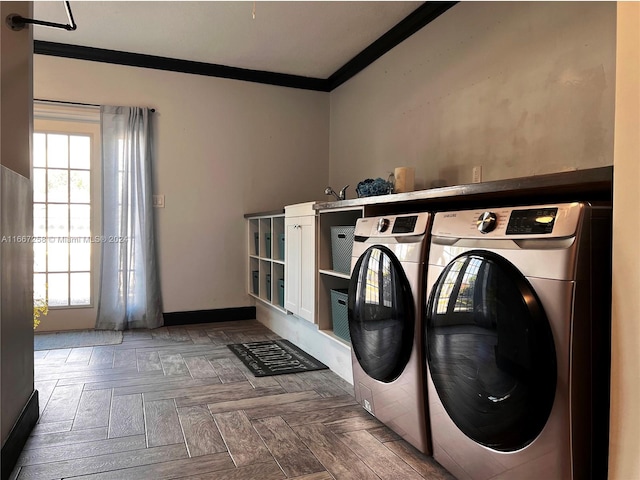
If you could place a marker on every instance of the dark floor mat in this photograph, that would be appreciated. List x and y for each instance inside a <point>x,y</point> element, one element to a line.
<point>275,357</point>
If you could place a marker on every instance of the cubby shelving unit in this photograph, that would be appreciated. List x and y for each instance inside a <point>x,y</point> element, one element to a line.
<point>267,264</point>
<point>328,278</point>
<point>266,257</point>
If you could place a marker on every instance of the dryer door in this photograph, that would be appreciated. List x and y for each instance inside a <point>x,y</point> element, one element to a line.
<point>381,314</point>
<point>490,351</point>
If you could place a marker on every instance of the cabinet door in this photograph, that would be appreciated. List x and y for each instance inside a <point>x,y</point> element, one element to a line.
<point>307,267</point>
<point>300,266</point>
<point>292,265</point>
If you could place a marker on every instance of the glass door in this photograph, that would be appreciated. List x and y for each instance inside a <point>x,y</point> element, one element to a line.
<point>490,351</point>
<point>381,314</point>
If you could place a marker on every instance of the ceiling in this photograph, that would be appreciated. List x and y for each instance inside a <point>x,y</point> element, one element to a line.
<point>309,39</point>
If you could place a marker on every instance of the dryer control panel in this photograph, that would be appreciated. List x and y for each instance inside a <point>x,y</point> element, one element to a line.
<point>538,221</point>
<point>393,225</point>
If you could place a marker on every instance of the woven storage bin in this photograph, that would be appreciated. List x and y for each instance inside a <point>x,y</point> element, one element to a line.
<point>281,292</point>
<point>256,279</point>
<point>268,286</point>
<point>340,314</point>
<point>341,248</point>
<point>281,245</point>
<point>267,245</point>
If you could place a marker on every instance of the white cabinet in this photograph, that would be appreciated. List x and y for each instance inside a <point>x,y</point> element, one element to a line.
<point>300,260</point>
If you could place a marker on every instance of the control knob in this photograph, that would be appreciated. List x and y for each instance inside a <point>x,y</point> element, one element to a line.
<point>487,222</point>
<point>383,224</point>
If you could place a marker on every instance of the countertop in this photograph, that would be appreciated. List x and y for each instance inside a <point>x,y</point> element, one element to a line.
<point>578,185</point>
<point>592,184</point>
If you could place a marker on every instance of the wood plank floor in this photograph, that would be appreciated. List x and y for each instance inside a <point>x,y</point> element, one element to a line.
<point>176,403</point>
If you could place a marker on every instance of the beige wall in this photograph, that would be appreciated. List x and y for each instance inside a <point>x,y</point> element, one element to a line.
<point>520,88</point>
<point>625,382</point>
<point>16,259</point>
<point>224,148</point>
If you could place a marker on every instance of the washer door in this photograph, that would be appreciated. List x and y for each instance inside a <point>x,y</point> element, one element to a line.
<point>381,314</point>
<point>490,351</point>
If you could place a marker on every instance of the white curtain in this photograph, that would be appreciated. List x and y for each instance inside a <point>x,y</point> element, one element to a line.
<point>129,284</point>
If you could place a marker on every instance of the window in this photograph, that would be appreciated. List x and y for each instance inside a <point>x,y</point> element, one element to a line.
<point>457,288</point>
<point>380,285</point>
<point>62,218</point>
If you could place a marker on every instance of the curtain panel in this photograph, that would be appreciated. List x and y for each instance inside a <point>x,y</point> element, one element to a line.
<point>129,284</point>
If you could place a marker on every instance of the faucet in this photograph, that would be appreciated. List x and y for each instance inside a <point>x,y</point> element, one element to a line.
<point>339,196</point>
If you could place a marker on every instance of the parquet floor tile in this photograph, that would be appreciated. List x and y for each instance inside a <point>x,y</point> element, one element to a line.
<point>175,403</point>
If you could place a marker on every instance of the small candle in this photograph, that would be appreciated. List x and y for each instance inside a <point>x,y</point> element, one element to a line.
<point>404,177</point>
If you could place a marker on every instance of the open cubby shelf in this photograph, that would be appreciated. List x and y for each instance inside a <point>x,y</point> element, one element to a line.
<point>266,259</point>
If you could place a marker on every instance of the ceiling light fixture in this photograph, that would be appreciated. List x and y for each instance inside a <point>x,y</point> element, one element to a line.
<point>17,22</point>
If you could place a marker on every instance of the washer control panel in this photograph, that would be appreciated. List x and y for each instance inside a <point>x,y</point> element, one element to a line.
<point>539,221</point>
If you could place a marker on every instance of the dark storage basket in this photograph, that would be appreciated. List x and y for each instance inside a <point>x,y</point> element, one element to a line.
<point>341,248</point>
<point>256,280</point>
<point>268,286</point>
<point>267,245</point>
<point>281,292</point>
<point>339,313</point>
<point>256,240</point>
<point>281,245</point>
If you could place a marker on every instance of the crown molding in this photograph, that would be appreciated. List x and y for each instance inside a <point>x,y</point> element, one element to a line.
<point>416,20</point>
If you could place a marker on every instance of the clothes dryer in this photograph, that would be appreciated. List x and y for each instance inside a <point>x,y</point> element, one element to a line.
<point>385,311</point>
<point>518,342</point>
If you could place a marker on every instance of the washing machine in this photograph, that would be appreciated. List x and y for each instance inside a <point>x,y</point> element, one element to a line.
<point>385,311</point>
<point>517,328</point>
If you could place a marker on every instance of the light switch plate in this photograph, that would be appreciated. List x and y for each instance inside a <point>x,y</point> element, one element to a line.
<point>158,201</point>
<point>477,174</point>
